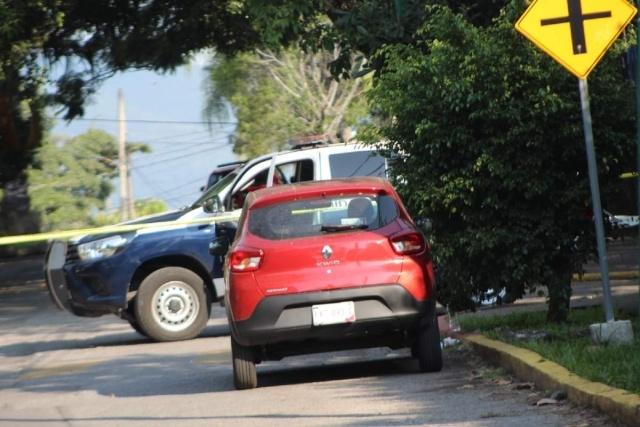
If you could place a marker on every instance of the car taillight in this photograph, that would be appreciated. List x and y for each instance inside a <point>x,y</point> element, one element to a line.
<point>242,260</point>
<point>408,244</point>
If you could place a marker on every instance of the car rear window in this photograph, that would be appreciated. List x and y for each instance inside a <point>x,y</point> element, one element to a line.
<point>327,215</point>
<point>358,163</point>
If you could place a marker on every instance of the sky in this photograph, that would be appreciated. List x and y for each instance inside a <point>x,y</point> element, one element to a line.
<point>183,154</point>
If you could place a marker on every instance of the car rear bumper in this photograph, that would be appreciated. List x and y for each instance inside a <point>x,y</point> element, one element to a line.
<point>385,315</point>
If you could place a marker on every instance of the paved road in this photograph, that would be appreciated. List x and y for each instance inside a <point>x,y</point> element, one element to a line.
<point>59,370</point>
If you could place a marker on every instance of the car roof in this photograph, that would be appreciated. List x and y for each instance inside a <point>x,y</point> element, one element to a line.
<point>309,189</point>
<point>338,147</point>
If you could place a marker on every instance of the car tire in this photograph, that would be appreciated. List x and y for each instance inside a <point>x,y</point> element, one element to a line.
<point>134,324</point>
<point>244,366</point>
<point>427,348</point>
<point>171,305</point>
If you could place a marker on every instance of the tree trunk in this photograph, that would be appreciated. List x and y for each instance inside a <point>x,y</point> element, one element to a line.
<point>559,289</point>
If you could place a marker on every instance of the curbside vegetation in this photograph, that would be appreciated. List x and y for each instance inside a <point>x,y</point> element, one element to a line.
<point>620,404</point>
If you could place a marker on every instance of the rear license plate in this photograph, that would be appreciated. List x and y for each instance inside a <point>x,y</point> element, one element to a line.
<point>331,314</point>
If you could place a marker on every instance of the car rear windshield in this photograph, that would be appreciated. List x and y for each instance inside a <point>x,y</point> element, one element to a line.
<point>326,215</point>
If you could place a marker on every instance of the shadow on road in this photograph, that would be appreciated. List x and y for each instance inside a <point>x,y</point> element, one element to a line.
<point>138,375</point>
<point>286,375</point>
<point>336,419</point>
<point>150,374</point>
<point>105,340</point>
<point>399,394</point>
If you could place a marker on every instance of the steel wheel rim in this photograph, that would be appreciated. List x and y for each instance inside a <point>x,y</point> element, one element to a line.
<point>175,306</point>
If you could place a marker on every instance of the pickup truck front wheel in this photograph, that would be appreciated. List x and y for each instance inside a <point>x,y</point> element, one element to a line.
<point>171,305</point>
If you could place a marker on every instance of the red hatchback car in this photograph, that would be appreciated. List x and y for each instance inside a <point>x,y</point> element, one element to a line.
<point>325,266</point>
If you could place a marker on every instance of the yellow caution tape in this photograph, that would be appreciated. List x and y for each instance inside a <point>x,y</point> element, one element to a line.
<point>629,175</point>
<point>67,234</point>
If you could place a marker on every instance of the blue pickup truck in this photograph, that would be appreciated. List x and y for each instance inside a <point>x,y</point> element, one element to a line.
<point>163,280</point>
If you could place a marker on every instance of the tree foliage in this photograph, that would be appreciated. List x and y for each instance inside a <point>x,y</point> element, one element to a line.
<point>56,52</point>
<point>70,180</point>
<point>490,136</point>
<point>280,95</point>
<point>142,207</point>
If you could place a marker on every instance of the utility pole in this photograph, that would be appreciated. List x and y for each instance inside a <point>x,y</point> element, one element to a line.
<point>123,169</point>
<point>131,208</point>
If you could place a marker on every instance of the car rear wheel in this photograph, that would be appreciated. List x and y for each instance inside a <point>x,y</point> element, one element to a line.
<point>244,366</point>
<point>427,348</point>
<point>171,305</point>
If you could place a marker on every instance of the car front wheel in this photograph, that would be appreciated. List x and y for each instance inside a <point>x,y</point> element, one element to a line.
<point>171,305</point>
<point>134,324</point>
<point>244,366</point>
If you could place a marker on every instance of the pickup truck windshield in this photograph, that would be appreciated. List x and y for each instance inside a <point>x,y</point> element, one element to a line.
<point>213,191</point>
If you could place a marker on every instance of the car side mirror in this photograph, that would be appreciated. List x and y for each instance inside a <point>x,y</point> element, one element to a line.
<point>212,205</point>
<point>219,246</point>
<point>425,225</point>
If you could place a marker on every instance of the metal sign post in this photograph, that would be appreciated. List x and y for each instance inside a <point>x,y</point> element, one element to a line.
<point>637,83</point>
<point>577,34</point>
<point>595,196</point>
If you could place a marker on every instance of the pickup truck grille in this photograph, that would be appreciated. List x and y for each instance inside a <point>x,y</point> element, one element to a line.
<point>72,253</point>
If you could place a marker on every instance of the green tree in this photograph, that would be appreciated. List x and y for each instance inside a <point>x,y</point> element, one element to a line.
<point>55,53</point>
<point>490,136</point>
<point>279,95</point>
<point>143,207</point>
<point>70,180</point>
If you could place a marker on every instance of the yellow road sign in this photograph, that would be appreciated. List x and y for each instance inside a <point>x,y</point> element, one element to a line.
<point>576,33</point>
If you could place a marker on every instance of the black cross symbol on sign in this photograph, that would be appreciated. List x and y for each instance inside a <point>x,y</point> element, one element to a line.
<point>576,21</point>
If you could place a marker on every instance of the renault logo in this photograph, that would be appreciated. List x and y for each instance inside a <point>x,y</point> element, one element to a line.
<point>327,252</point>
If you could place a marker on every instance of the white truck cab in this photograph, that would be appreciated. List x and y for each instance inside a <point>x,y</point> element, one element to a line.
<point>309,163</point>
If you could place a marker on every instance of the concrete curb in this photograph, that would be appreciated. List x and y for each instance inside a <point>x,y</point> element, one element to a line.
<point>613,275</point>
<point>620,404</point>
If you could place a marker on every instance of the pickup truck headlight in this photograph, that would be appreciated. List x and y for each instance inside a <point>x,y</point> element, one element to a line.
<point>102,248</point>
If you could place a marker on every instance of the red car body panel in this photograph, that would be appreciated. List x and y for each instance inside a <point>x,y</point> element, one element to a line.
<point>360,258</point>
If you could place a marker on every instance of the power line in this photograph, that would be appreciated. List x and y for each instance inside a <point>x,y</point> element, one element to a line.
<point>193,140</point>
<point>181,145</point>
<point>185,147</point>
<point>189,144</point>
<point>179,135</point>
<point>179,157</point>
<point>181,196</point>
<point>151,185</point>
<point>169,122</point>
<point>186,184</point>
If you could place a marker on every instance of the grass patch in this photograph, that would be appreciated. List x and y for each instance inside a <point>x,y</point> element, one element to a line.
<point>569,344</point>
